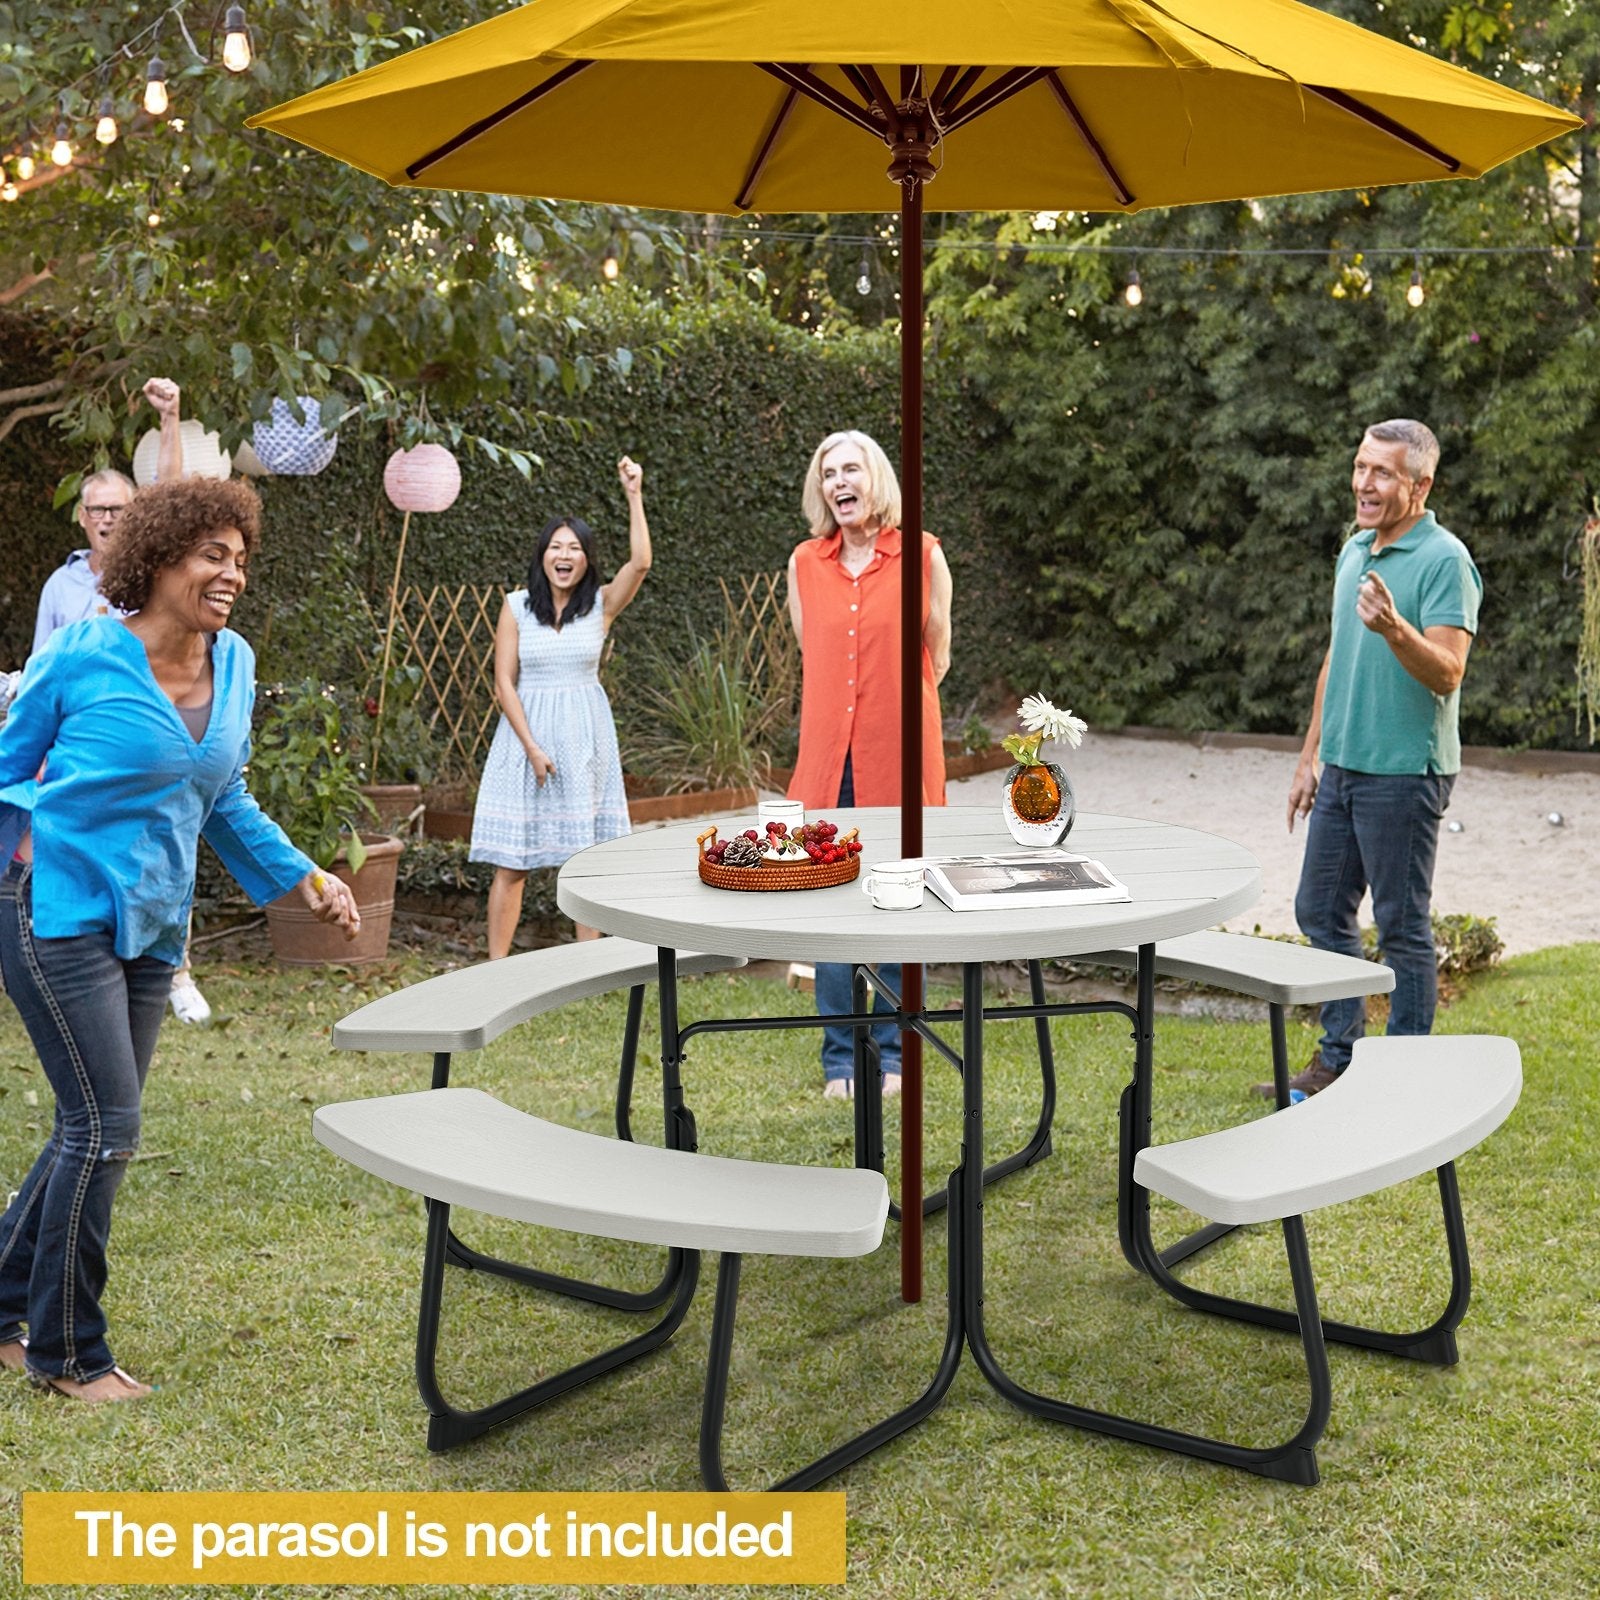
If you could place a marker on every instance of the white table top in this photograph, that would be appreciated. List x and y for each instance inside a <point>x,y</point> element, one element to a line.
<point>645,887</point>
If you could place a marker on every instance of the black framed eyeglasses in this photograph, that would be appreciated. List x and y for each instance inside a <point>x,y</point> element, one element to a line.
<point>108,512</point>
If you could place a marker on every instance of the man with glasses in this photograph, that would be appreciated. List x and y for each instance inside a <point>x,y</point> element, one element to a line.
<point>72,591</point>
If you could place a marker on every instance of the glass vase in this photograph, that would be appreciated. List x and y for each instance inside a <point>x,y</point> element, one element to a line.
<point>1038,804</point>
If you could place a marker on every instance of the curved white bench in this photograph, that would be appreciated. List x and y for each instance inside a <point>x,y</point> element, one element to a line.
<point>464,1147</point>
<point>472,1006</point>
<point>1403,1105</point>
<point>467,1148</point>
<point>1270,970</point>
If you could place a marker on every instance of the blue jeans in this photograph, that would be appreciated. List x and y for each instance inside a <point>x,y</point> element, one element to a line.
<point>833,993</point>
<point>93,1019</point>
<point>1382,830</point>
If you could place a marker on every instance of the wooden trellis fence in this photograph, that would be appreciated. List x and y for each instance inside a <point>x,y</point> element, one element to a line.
<point>448,630</point>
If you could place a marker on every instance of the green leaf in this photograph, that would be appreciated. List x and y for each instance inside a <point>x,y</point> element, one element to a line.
<point>355,851</point>
<point>243,360</point>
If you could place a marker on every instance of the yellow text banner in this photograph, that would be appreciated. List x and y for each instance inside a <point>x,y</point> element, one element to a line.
<point>353,1538</point>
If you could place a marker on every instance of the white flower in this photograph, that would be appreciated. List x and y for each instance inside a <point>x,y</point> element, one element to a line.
<point>1039,716</point>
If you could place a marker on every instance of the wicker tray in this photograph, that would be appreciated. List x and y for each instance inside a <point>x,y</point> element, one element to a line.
<point>806,874</point>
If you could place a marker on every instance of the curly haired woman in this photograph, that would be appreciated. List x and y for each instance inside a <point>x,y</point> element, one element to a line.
<point>141,725</point>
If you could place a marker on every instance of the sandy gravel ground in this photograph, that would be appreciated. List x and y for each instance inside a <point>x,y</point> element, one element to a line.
<point>1541,883</point>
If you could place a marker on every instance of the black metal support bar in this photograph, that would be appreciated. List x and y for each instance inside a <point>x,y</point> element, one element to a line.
<point>714,1406</point>
<point>1434,1345</point>
<point>599,1294</point>
<point>629,1062</point>
<point>1293,1461</point>
<point>447,1424</point>
<point>679,1126</point>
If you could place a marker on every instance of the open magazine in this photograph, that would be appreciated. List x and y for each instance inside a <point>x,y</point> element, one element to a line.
<point>1036,878</point>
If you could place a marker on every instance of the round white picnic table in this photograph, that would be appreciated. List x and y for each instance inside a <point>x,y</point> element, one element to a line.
<point>1179,880</point>
<point>645,887</point>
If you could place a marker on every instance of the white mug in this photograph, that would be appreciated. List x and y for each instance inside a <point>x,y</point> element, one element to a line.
<point>791,813</point>
<point>894,885</point>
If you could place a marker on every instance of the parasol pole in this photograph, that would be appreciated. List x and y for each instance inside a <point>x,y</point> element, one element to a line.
<point>911,168</point>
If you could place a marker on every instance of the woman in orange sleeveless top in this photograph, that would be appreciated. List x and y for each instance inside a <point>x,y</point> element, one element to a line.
<point>844,601</point>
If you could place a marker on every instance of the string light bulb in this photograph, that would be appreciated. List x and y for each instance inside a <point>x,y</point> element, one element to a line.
<point>864,276</point>
<point>25,166</point>
<point>1416,294</point>
<point>61,150</point>
<point>236,40</point>
<point>610,266</point>
<point>155,88</point>
<point>9,190</point>
<point>1134,293</point>
<point>105,130</point>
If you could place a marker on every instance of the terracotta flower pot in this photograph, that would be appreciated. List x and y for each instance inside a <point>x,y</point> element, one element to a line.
<point>394,803</point>
<point>299,940</point>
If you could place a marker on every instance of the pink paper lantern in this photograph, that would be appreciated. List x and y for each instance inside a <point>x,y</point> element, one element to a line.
<point>425,478</point>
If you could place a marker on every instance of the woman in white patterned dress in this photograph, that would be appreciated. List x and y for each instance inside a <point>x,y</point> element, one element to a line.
<point>553,780</point>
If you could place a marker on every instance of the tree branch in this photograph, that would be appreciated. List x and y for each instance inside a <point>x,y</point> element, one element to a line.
<point>32,391</point>
<point>22,413</point>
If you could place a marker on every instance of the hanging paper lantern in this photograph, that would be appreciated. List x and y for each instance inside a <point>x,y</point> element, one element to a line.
<point>203,455</point>
<point>426,478</point>
<point>246,460</point>
<point>293,448</point>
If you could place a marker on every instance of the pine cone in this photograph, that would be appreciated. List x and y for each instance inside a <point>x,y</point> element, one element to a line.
<point>742,852</point>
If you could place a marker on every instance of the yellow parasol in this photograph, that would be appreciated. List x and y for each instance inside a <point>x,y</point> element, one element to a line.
<point>771,105</point>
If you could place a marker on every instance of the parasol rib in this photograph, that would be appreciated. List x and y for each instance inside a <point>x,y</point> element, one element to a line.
<point>495,118</point>
<point>858,81</point>
<point>1086,133</point>
<point>946,106</point>
<point>1013,81</point>
<point>747,190</point>
<point>1384,124</point>
<point>813,88</point>
<point>942,87</point>
<point>878,93</point>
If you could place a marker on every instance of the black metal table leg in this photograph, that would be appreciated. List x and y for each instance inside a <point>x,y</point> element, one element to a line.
<point>1292,1461</point>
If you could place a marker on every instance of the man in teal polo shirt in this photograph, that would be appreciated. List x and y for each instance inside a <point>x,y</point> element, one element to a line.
<point>1385,725</point>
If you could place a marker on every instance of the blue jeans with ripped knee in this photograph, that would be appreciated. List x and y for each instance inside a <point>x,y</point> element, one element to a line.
<point>93,1019</point>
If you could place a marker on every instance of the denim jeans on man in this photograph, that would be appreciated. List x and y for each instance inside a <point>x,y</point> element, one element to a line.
<point>93,1019</point>
<point>1379,830</point>
<point>833,994</point>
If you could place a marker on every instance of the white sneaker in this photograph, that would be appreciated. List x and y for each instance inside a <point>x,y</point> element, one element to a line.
<point>188,1004</point>
<point>839,1089</point>
<point>891,1085</point>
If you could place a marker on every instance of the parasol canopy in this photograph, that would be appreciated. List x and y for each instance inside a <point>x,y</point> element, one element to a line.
<point>729,105</point>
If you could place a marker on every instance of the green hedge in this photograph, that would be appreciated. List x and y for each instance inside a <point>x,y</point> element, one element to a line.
<point>1133,522</point>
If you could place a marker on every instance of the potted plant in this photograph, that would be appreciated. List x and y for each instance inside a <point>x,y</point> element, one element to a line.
<point>305,776</point>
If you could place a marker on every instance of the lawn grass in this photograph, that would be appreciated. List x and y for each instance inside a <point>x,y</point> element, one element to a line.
<point>270,1289</point>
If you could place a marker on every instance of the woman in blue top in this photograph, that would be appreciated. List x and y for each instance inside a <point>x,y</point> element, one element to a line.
<point>142,729</point>
<point>553,780</point>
